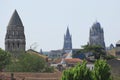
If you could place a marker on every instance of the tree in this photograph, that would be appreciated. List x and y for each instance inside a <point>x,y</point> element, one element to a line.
<point>4,59</point>
<point>82,72</point>
<point>101,70</point>
<point>78,54</point>
<point>95,49</point>
<point>29,63</point>
<point>79,72</point>
<point>68,74</point>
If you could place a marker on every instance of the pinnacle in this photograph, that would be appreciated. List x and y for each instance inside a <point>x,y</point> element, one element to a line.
<point>67,33</point>
<point>15,19</point>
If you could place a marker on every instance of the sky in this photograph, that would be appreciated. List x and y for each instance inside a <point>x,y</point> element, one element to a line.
<point>45,21</point>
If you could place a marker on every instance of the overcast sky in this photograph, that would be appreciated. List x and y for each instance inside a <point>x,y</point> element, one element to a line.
<point>46,21</point>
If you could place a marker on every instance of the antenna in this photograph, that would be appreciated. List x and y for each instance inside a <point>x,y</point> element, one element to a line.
<point>33,46</point>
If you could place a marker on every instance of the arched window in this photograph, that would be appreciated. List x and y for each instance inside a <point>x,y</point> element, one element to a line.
<point>18,45</point>
<point>13,45</point>
<point>8,45</point>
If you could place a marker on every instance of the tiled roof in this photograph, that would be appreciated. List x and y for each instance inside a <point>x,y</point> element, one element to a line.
<point>32,76</point>
<point>58,60</point>
<point>37,53</point>
<point>65,55</point>
<point>73,60</point>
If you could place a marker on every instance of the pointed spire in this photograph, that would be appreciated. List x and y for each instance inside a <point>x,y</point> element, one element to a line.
<point>15,19</point>
<point>67,32</point>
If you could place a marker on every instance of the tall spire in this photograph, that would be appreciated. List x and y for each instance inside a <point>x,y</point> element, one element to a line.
<point>15,19</point>
<point>67,47</point>
<point>67,32</point>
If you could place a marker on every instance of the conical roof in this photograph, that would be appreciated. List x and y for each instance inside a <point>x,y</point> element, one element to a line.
<point>15,19</point>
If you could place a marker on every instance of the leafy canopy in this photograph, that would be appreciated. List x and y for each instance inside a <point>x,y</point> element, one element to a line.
<point>4,59</point>
<point>101,71</point>
<point>29,63</point>
<point>95,49</point>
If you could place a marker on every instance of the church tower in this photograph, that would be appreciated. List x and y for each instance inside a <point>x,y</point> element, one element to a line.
<point>67,42</point>
<point>15,37</point>
<point>97,35</point>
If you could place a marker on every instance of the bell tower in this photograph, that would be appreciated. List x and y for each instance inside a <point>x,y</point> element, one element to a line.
<point>96,35</point>
<point>15,38</point>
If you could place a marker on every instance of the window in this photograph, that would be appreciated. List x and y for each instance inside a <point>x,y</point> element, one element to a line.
<point>18,45</point>
<point>13,33</point>
<point>13,45</point>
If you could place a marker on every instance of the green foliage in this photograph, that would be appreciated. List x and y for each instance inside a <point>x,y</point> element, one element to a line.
<point>32,63</point>
<point>108,57</point>
<point>28,63</point>
<point>68,74</point>
<point>95,49</point>
<point>78,53</point>
<point>49,69</point>
<point>4,59</point>
<point>101,70</point>
<point>81,72</point>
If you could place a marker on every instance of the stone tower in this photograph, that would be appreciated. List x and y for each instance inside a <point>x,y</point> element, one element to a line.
<point>15,37</point>
<point>96,35</point>
<point>67,42</point>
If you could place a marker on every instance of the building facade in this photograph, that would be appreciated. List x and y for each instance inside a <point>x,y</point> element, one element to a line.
<point>117,49</point>
<point>96,36</point>
<point>67,47</point>
<point>15,38</point>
